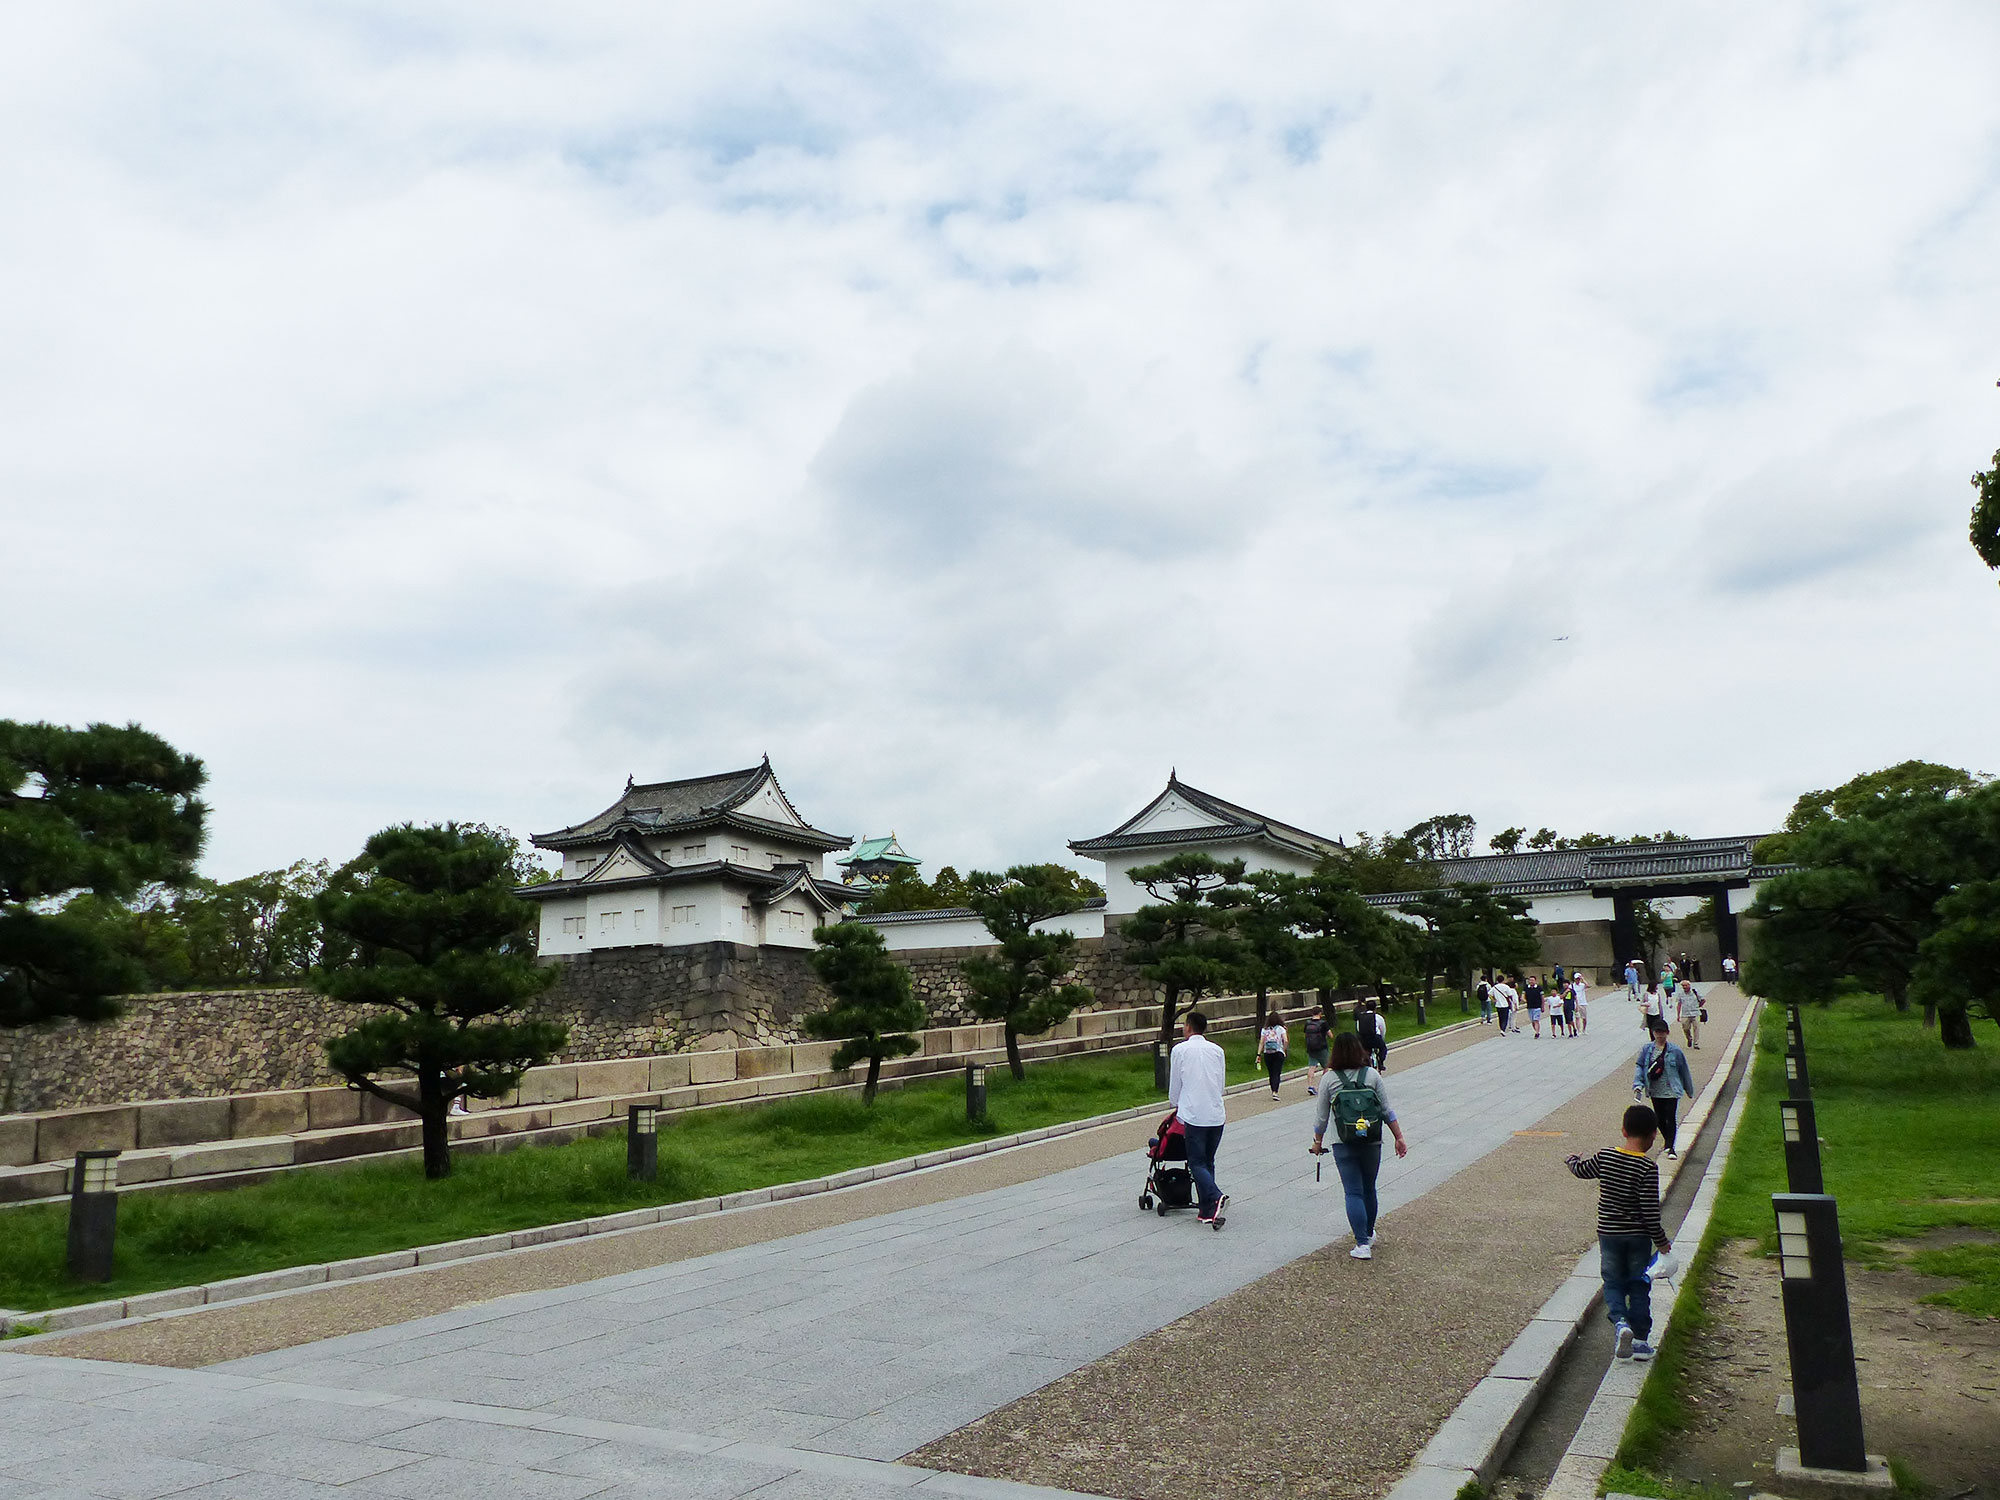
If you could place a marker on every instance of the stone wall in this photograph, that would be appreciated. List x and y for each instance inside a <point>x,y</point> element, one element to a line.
<point>192,1045</point>
<point>630,1002</point>
<point>634,1002</point>
<point>1101,964</point>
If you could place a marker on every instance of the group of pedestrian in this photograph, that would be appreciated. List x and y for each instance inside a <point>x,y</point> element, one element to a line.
<point>1274,1043</point>
<point>1344,1073</point>
<point>1345,1079</point>
<point>1565,1003</point>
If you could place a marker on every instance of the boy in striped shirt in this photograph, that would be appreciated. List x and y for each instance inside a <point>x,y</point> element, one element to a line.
<point>1628,1228</point>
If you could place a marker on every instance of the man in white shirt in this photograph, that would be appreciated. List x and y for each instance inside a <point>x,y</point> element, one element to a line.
<point>1196,1074</point>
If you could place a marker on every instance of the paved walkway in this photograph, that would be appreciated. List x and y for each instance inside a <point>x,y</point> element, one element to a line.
<point>770,1368</point>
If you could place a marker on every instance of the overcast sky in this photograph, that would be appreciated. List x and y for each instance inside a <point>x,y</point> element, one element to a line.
<point>1561,414</point>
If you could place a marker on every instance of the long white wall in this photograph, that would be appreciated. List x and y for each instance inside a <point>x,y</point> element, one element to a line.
<point>1123,897</point>
<point>967,931</point>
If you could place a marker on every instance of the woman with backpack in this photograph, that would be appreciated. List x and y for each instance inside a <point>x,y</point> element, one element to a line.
<point>1271,1047</point>
<point>1355,1097</point>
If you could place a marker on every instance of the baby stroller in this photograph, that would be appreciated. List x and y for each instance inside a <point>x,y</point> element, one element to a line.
<point>1167,1175</point>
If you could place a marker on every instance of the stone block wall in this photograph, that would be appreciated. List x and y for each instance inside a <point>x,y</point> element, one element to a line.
<point>633,1002</point>
<point>196,1044</point>
<point>1101,964</point>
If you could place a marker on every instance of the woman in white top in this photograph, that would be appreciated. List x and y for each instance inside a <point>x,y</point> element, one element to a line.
<point>1582,992</point>
<point>1655,1004</point>
<point>1271,1047</point>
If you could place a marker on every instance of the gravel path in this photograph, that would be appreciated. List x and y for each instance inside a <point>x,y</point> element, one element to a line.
<point>1327,1377</point>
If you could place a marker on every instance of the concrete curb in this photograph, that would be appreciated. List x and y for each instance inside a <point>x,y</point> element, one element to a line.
<point>177,1301</point>
<point>1596,1442</point>
<point>1475,1439</point>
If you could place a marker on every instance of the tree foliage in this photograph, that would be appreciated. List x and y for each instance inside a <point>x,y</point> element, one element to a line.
<point>103,811</point>
<point>1446,836</point>
<point>1389,863</point>
<point>1986,515</point>
<point>430,934</point>
<point>1185,940</point>
<point>873,1007</point>
<point>1889,894</point>
<point>1871,794</point>
<point>1026,985</point>
<point>1468,928</point>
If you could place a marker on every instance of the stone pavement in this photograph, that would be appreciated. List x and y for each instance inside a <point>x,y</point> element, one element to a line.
<point>794,1366</point>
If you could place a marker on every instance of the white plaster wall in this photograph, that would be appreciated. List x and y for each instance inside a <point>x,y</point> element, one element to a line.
<point>790,923</point>
<point>934,932</point>
<point>1123,897</point>
<point>769,805</point>
<point>1174,813</point>
<point>1739,901</point>
<point>1570,906</point>
<point>552,939</point>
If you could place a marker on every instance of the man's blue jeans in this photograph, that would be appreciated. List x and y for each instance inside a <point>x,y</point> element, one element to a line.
<point>1359,1166</point>
<point>1202,1141</point>
<point>1628,1296</point>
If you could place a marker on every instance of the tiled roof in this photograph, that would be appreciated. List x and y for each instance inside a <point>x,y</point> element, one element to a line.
<point>1543,872</point>
<point>760,881</point>
<point>684,806</point>
<point>1236,822</point>
<point>884,849</point>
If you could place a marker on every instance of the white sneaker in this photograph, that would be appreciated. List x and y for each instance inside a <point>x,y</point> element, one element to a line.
<point>1362,1252</point>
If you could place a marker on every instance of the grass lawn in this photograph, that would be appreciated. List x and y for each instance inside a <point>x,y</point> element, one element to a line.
<point>1910,1137</point>
<point>180,1238</point>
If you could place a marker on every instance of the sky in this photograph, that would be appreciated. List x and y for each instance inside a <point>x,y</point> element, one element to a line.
<point>1560,414</point>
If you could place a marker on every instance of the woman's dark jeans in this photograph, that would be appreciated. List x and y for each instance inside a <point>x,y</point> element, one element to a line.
<point>1358,1167</point>
<point>1274,1062</point>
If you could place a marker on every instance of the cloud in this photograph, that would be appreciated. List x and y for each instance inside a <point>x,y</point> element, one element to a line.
<point>982,411</point>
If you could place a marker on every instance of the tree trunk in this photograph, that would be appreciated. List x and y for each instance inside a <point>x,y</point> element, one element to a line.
<point>1168,1007</point>
<point>1263,1006</point>
<point>1014,1054</point>
<point>1955,1029</point>
<point>874,1077</point>
<point>1900,998</point>
<point>435,1111</point>
<point>1430,994</point>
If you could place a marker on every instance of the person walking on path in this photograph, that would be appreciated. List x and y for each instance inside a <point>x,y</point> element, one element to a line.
<point>1663,1077</point>
<point>1652,1008</point>
<point>1373,1028</point>
<point>1485,992</point>
<point>1632,980</point>
<point>1687,1009</point>
<point>1582,993</point>
<point>1318,1034</point>
<point>1356,1098</point>
<point>1569,1008</point>
<point>1729,969</point>
<point>1533,995</point>
<point>1196,1075</point>
<point>1503,1004</point>
<point>1272,1044</point>
<point>1628,1229</point>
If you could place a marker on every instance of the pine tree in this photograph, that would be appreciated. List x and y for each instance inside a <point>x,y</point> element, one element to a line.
<point>427,928</point>
<point>873,1009</point>
<point>103,810</point>
<point>1025,986</point>
<point>1186,942</point>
